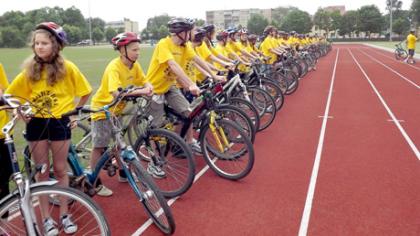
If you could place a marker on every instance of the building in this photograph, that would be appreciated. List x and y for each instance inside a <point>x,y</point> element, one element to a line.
<point>126,24</point>
<point>226,18</point>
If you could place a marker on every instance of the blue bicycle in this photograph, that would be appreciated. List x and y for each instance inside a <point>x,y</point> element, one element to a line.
<point>140,181</point>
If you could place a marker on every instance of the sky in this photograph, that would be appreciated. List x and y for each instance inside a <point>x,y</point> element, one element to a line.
<point>141,10</point>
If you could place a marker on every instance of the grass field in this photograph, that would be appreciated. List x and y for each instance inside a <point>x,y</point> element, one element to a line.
<point>90,60</point>
<point>392,44</point>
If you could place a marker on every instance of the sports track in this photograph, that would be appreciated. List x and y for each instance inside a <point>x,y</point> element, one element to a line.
<point>341,158</point>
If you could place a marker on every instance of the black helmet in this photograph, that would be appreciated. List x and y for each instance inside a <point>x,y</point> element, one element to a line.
<point>199,34</point>
<point>209,28</point>
<point>178,25</point>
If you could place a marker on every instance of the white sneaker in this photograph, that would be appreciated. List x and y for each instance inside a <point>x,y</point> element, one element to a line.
<point>104,191</point>
<point>50,227</point>
<point>68,225</point>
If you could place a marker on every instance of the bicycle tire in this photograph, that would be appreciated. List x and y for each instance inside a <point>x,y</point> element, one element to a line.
<point>265,105</point>
<point>81,218</point>
<point>160,213</point>
<point>240,117</point>
<point>248,108</point>
<point>174,157</point>
<point>220,162</point>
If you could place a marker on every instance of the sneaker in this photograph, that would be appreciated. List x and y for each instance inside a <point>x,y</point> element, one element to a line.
<point>68,225</point>
<point>123,179</point>
<point>104,191</point>
<point>155,171</point>
<point>196,149</point>
<point>50,227</point>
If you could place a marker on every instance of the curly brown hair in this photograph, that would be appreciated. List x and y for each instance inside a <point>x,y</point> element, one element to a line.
<point>33,65</point>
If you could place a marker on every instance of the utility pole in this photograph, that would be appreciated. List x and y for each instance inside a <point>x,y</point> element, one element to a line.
<point>90,24</point>
<point>390,21</point>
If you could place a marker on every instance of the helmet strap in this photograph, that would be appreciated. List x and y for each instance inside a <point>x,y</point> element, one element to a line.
<point>126,56</point>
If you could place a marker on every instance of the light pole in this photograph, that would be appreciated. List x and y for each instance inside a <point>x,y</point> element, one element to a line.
<point>90,25</point>
<point>390,21</point>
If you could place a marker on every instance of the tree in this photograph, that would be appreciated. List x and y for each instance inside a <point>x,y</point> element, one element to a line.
<point>109,34</point>
<point>415,11</point>
<point>11,37</point>
<point>199,22</point>
<point>278,15</point>
<point>73,16</point>
<point>97,23</point>
<point>256,24</point>
<point>74,34</point>
<point>298,21</point>
<point>401,26</point>
<point>97,35</point>
<point>336,20</point>
<point>322,19</point>
<point>371,20</point>
<point>349,23</point>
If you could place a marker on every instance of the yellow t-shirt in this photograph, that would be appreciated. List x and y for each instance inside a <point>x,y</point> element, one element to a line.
<point>3,86</point>
<point>116,75</point>
<point>233,47</point>
<point>222,50</point>
<point>411,41</point>
<point>159,73</point>
<point>266,45</point>
<point>51,101</point>
<point>204,53</point>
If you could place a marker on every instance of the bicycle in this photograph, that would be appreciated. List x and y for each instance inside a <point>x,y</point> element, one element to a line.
<point>177,168</point>
<point>400,53</point>
<point>21,212</point>
<point>225,146</point>
<point>139,180</point>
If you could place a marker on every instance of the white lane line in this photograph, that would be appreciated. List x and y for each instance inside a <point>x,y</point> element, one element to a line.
<point>149,222</point>
<point>386,55</point>
<point>389,68</point>
<point>405,135</point>
<point>311,190</point>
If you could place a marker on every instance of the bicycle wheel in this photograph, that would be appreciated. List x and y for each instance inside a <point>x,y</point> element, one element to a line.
<point>151,198</point>
<point>82,140</point>
<point>265,105</point>
<point>240,117</point>
<point>274,90</point>
<point>85,213</point>
<point>237,158</point>
<point>248,108</point>
<point>172,157</point>
<point>292,82</point>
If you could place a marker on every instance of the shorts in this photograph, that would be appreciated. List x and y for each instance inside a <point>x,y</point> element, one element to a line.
<point>101,133</point>
<point>411,52</point>
<point>5,169</point>
<point>175,100</point>
<point>48,129</point>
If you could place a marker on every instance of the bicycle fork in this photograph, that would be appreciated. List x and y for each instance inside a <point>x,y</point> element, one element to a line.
<point>218,131</point>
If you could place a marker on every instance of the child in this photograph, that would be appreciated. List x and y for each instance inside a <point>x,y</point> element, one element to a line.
<point>121,72</point>
<point>51,84</point>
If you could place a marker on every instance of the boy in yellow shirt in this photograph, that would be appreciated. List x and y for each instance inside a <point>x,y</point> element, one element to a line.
<point>411,46</point>
<point>121,72</point>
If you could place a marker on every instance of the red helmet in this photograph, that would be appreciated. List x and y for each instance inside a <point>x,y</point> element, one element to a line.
<point>54,29</point>
<point>124,39</point>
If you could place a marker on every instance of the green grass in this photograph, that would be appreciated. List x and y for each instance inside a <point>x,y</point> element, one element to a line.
<point>392,44</point>
<point>90,60</point>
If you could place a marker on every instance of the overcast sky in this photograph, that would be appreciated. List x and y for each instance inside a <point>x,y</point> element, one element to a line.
<point>141,10</point>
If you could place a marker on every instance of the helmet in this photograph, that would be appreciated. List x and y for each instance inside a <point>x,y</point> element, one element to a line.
<point>292,32</point>
<point>124,39</point>
<point>199,34</point>
<point>268,29</point>
<point>54,29</point>
<point>178,25</point>
<point>222,35</point>
<point>252,37</point>
<point>231,30</point>
<point>243,31</point>
<point>209,28</point>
